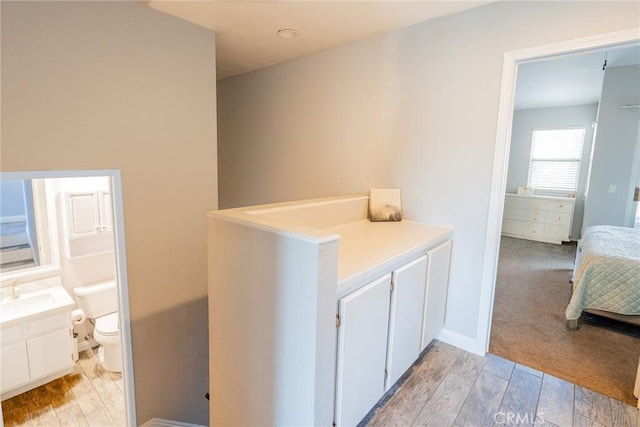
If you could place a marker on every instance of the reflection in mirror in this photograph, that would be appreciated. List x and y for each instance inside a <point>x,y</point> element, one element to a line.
<point>60,231</point>
<point>25,241</point>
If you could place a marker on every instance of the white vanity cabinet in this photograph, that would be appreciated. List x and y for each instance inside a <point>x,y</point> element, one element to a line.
<point>384,326</point>
<point>89,223</point>
<point>283,272</point>
<point>36,351</point>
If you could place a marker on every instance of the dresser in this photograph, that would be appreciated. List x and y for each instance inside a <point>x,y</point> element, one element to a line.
<point>540,218</point>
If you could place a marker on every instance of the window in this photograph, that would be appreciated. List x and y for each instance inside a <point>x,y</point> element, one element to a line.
<point>555,159</point>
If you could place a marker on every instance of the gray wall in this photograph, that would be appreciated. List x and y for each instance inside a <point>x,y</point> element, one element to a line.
<point>525,121</point>
<point>118,85</point>
<point>615,149</point>
<point>415,108</point>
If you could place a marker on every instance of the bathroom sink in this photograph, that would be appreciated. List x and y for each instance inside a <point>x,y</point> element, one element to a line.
<point>34,303</point>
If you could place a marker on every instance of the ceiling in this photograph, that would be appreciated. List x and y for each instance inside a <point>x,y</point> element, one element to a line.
<point>246,38</point>
<point>569,79</point>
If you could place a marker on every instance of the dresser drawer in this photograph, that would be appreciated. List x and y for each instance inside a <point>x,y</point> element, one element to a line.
<point>558,218</point>
<point>511,226</point>
<point>524,214</point>
<point>532,229</point>
<point>560,206</point>
<point>557,231</point>
<point>525,203</point>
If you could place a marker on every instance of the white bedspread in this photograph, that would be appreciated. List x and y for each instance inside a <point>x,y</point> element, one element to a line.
<point>607,276</point>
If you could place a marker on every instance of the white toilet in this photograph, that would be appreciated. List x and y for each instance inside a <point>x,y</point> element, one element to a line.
<point>99,302</point>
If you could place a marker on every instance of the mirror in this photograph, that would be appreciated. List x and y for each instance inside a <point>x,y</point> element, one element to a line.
<point>68,227</point>
<point>26,229</point>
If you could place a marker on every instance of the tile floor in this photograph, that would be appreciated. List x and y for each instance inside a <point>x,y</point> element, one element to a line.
<point>450,387</point>
<point>446,387</point>
<point>89,396</point>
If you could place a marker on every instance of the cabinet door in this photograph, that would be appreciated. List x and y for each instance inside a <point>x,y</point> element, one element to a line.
<point>106,216</point>
<point>49,353</point>
<point>405,318</point>
<point>362,343</point>
<point>15,367</point>
<point>438,260</point>
<point>83,214</point>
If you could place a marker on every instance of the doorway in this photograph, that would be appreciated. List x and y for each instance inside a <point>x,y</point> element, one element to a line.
<point>72,260</point>
<point>502,149</point>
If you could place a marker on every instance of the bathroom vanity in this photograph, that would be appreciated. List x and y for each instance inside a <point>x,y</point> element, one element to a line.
<point>36,336</point>
<point>314,311</point>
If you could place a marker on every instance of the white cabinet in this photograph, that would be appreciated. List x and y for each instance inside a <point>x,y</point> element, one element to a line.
<point>540,218</point>
<point>89,223</point>
<point>89,213</point>
<point>362,343</point>
<point>438,262</point>
<point>35,352</point>
<point>405,318</point>
<point>49,353</point>
<point>83,214</point>
<point>15,365</point>
<point>384,326</point>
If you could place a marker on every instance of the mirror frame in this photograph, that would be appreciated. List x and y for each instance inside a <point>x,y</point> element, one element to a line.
<point>121,266</point>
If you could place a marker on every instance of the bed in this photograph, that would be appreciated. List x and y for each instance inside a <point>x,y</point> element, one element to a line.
<point>606,278</point>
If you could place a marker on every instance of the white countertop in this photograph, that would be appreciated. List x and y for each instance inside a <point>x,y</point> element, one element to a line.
<point>369,249</point>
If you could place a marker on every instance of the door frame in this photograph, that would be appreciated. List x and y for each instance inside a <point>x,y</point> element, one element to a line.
<point>501,156</point>
<point>121,268</point>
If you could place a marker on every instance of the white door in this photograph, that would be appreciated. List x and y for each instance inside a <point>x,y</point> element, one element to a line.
<point>405,318</point>
<point>362,343</point>
<point>436,292</point>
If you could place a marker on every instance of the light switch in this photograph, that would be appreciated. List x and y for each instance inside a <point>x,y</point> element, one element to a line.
<point>612,188</point>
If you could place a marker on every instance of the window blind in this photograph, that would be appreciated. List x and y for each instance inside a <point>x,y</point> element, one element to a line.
<point>555,159</point>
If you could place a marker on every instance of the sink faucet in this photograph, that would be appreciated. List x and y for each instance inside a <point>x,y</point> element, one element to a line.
<point>15,289</point>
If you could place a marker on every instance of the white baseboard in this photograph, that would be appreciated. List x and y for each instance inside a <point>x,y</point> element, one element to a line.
<point>461,341</point>
<point>159,422</point>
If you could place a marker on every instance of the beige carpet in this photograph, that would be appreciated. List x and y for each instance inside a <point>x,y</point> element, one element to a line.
<point>532,292</point>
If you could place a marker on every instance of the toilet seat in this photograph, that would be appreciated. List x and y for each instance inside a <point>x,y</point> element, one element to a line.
<point>108,325</point>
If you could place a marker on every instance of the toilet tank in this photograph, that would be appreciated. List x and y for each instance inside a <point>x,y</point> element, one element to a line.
<point>97,299</point>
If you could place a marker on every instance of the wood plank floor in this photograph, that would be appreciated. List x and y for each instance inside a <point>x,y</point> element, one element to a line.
<point>89,396</point>
<point>450,387</point>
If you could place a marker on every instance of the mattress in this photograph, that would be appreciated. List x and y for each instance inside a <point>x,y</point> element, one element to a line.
<point>607,274</point>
